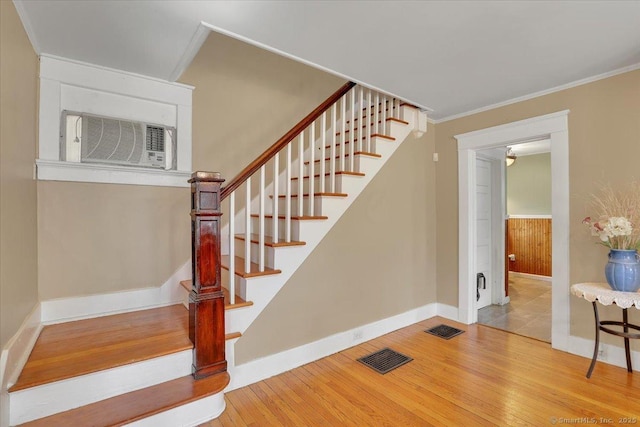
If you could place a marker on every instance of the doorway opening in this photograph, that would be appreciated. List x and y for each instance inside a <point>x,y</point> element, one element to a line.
<point>523,307</point>
<point>553,126</point>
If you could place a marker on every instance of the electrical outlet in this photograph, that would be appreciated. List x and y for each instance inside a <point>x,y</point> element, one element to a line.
<point>357,335</point>
<point>602,353</point>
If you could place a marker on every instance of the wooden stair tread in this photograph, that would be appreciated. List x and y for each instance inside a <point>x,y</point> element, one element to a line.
<point>268,241</point>
<point>379,135</point>
<point>139,404</point>
<point>388,119</point>
<point>357,153</point>
<point>253,271</point>
<point>71,349</point>
<point>297,218</point>
<point>239,303</point>
<point>295,178</point>
<point>325,194</point>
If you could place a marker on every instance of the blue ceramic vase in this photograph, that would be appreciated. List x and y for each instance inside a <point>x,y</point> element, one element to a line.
<point>623,270</point>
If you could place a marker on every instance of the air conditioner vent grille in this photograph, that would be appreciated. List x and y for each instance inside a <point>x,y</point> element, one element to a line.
<point>155,138</point>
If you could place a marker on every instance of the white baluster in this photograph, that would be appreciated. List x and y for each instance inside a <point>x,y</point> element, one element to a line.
<point>352,133</point>
<point>332,163</point>
<point>343,133</point>
<point>300,171</point>
<point>287,198</point>
<point>247,231</point>
<point>323,141</point>
<point>360,121</point>
<point>312,164</point>
<point>276,174</point>
<point>383,115</point>
<point>232,247</point>
<point>261,221</point>
<point>376,120</point>
<point>367,122</point>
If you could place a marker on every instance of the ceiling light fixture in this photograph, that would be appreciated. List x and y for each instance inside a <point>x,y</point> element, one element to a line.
<point>511,157</point>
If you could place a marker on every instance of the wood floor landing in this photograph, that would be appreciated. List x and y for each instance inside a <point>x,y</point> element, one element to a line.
<point>482,377</point>
<point>71,349</point>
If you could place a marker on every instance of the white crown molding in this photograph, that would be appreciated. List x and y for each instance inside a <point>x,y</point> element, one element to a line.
<point>529,217</point>
<point>542,93</point>
<point>196,42</point>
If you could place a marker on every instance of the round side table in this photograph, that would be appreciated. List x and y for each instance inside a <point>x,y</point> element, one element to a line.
<point>603,294</point>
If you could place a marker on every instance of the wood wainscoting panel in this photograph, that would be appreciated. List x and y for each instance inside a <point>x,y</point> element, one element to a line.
<point>530,240</point>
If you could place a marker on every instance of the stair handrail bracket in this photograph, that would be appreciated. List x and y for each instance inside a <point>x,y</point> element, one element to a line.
<point>206,299</point>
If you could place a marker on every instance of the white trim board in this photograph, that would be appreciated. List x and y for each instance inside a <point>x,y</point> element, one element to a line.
<point>268,366</point>
<point>531,276</point>
<point>529,217</point>
<point>555,126</point>
<point>14,356</point>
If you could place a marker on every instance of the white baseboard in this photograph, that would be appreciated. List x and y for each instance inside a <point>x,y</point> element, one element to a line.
<point>260,369</point>
<point>14,356</point>
<point>613,355</point>
<point>531,276</point>
<point>447,311</point>
<point>84,307</point>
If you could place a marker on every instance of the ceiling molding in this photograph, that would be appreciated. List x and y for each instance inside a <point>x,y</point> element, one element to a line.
<point>196,42</point>
<point>543,92</point>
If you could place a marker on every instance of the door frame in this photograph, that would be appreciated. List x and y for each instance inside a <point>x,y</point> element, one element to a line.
<point>555,127</point>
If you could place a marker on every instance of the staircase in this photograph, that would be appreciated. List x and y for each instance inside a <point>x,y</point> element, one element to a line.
<point>135,368</point>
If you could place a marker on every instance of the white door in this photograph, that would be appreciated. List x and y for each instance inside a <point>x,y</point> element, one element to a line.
<point>484,246</point>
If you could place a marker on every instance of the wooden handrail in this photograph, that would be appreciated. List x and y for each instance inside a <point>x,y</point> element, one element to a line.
<point>239,179</point>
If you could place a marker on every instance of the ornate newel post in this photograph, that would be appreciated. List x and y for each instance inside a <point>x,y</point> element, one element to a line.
<point>206,300</point>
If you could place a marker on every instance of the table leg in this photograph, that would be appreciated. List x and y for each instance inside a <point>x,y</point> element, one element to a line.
<point>595,350</point>
<point>626,339</point>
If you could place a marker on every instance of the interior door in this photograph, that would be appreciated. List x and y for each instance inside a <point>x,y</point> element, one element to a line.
<point>484,244</point>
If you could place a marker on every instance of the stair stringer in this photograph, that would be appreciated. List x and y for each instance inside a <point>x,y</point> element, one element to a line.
<point>262,289</point>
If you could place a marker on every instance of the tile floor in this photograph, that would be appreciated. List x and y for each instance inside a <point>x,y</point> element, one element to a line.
<point>528,312</point>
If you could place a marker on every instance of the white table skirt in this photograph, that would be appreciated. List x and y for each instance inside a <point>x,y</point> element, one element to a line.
<point>603,293</point>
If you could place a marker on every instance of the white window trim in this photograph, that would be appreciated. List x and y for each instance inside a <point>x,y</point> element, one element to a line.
<point>56,72</point>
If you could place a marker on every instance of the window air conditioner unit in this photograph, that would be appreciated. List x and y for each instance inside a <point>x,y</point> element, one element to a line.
<point>87,138</point>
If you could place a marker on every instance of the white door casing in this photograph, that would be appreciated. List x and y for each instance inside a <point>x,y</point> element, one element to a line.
<point>555,127</point>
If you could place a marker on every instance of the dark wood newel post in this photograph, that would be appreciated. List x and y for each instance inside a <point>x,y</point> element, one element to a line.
<point>206,300</point>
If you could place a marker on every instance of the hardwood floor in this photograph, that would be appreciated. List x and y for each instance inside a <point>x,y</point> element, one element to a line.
<point>481,377</point>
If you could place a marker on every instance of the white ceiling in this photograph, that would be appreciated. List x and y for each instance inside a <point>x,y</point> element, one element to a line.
<point>452,57</point>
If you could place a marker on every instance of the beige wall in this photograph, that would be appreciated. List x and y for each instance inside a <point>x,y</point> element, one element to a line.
<point>245,99</point>
<point>18,116</point>
<point>382,270</point>
<point>99,238</point>
<point>378,261</point>
<point>604,146</point>
<point>529,185</point>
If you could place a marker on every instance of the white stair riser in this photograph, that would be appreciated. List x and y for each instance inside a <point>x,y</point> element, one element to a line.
<point>316,187</point>
<point>268,223</point>
<point>38,402</point>
<point>269,253</point>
